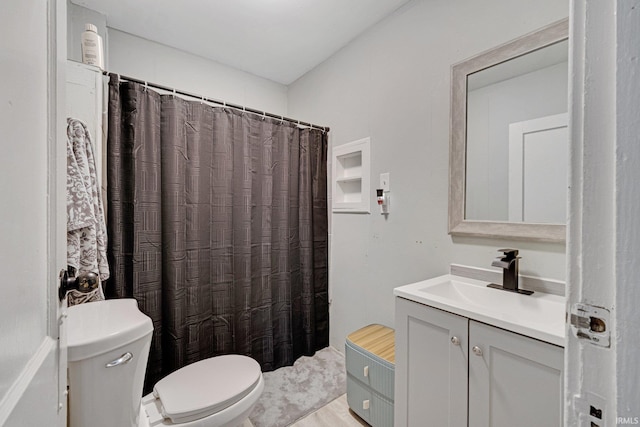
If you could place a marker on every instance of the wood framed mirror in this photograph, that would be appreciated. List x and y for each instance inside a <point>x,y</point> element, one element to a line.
<point>508,155</point>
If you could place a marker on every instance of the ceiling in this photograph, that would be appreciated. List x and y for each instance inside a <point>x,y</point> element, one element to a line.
<point>276,39</point>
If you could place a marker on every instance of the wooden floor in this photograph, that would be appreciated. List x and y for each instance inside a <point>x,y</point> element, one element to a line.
<point>334,414</point>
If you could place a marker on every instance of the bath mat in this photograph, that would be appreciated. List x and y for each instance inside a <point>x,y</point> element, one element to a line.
<point>292,392</point>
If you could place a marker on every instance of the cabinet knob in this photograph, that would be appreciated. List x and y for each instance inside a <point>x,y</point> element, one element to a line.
<point>455,340</point>
<point>477,350</point>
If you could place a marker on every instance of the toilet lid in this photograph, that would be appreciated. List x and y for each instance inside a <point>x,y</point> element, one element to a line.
<point>206,387</point>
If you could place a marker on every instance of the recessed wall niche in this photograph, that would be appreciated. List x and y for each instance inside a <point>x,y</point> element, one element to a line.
<point>351,177</point>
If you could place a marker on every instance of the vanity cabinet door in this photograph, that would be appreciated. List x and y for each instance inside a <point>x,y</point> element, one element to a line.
<point>431,367</point>
<point>513,380</point>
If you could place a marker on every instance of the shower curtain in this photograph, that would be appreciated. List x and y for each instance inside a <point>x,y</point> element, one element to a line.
<point>217,223</point>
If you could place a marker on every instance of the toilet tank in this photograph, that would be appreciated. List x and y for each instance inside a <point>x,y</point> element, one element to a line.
<point>108,348</point>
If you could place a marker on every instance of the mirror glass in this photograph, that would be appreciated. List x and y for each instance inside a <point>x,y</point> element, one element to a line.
<point>517,139</point>
<point>508,156</point>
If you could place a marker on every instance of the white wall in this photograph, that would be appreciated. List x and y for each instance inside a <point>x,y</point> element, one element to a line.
<point>627,236</point>
<point>392,84</point>
<point>146,60</point>
<point>143,59</point>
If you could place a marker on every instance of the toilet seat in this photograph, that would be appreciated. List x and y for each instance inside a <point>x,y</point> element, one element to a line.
<point>205,387</point>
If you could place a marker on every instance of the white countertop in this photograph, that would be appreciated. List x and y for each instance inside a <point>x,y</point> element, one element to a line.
<point>540,316</point>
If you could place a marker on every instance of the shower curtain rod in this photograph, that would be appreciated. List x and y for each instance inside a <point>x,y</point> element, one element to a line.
<point>218,102</point>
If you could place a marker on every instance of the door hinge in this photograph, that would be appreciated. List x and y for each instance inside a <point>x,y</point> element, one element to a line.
<point>591,323</point>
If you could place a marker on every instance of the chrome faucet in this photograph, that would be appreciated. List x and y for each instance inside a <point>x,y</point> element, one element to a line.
<point>509,264</point>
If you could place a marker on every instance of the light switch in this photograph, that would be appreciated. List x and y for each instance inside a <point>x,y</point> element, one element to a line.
<point>384,181</point>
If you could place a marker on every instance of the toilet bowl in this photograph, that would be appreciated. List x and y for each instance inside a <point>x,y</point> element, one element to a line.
<point>108,348</point>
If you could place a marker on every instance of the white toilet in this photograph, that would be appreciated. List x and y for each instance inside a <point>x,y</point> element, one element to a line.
<point>108,348</point>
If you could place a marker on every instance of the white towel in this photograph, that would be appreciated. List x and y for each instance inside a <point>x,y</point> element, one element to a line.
<point>86,228</point>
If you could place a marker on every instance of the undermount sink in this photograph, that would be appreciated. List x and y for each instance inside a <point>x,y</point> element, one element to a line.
<point>539,315</point>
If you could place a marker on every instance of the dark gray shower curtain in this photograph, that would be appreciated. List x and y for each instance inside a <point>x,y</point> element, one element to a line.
<point>217,224</point>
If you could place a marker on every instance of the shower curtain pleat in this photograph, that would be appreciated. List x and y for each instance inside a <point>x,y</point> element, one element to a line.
<point>218,225</point>
<point>134,206</point>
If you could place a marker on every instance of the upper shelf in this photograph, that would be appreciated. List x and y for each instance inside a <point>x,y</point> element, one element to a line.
<point>349,179</point>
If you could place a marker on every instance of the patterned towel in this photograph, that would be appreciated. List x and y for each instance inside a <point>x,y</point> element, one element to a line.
<point>86,228</point>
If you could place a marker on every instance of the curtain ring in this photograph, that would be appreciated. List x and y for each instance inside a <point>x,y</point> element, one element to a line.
<point>173,94</point>
<point>264,116</point>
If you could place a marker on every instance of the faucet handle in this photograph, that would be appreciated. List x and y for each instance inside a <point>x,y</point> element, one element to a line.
<point>501,262</point>
<point>509,253</point>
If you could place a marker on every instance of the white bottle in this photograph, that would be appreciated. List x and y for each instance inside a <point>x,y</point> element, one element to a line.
<point>92,46</point>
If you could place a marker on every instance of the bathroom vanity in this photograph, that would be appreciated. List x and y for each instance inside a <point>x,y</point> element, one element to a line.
<point>469,355</point>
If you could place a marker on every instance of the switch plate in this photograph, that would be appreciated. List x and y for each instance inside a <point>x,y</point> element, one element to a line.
<point>384,181</point>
